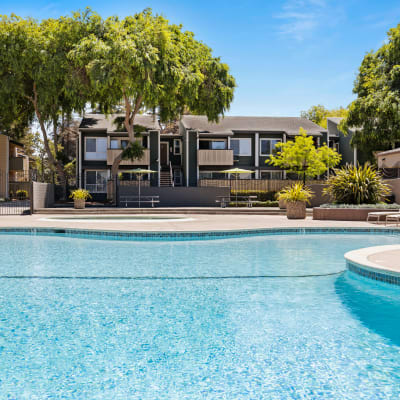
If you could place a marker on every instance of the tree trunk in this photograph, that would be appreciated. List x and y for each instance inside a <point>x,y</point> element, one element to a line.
<point>52,160</point>
<point>128,122</point>
<point>62,180</point>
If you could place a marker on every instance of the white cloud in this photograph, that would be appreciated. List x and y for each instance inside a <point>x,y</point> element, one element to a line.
<point>301,17</point>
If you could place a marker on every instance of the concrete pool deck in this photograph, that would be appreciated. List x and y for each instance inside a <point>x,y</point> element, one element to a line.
<point>190,223</point>
<point>381,263</point>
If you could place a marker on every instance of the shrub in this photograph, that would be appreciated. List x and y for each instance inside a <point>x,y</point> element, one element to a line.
<point>80,194</point>
<point>295,192</point>
<point>22,194</point>
<point>357,185</point>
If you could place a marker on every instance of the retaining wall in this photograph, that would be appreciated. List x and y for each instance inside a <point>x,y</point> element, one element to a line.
<point>179,196</point>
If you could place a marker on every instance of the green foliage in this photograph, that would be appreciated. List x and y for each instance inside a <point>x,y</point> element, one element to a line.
<point>303,158</point>
<point>378,206</point>
<point>295,192</point>
<point>319,114</point>
<point>21,194</point>
<point>80,194</point>
<point>376,111</point>
<point>357,185</point>
<point>134,151</point>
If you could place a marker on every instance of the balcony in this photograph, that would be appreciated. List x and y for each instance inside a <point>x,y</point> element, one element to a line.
<point>112,154</point>
<point>19,163</point>
<point>215,157</point>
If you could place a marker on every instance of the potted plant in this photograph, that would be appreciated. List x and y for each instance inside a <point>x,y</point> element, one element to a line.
<point>296,197</point>
<point>80,196</point>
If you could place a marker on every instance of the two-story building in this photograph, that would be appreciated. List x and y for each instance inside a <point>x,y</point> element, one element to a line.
<point>197,150</point>
<point>14,164</point>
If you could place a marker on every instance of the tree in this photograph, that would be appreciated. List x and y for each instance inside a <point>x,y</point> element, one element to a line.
<point>375,114</point>
<point>36,74</point>
<point>319,114</point>
<point>303,158</point>
<point>151,65</point>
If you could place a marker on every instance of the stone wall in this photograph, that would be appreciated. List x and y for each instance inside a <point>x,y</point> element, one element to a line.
<point>43,195</point>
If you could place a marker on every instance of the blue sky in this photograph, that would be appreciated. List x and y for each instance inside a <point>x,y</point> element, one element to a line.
<point>286,55</point>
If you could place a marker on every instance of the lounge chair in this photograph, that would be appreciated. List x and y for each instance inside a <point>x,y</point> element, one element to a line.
<point>393,218</point>
<point>378,214</point>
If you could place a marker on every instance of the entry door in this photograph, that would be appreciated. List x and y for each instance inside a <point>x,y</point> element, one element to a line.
<point>164,153</point>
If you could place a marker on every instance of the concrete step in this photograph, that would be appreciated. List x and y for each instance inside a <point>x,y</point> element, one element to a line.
<point>166,210</point>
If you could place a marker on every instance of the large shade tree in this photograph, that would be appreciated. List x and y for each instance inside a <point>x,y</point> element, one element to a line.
<point>319,114</point>
<point>375,113</point>
<point>151,65</point>
<point>36,75</point>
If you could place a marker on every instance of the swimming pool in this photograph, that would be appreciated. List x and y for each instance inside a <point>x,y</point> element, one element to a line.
<point>268,316</point>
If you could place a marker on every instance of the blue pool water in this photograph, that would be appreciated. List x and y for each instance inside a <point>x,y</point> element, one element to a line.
<point>68,331</point>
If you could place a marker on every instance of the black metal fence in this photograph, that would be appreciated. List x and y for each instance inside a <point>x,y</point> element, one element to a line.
<point>15,193</point>
<point>15,207</point>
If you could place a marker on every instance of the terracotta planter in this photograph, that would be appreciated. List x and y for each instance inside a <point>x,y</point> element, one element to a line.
<point>79,204</point>
<point>282,204</point>
<point>296,210</point>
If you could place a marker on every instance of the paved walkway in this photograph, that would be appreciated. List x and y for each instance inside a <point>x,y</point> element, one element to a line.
<point>191,222</point>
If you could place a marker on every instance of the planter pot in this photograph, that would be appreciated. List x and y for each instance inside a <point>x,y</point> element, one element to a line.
<point>79,204</point>
<point>296,210</point>
<point>282,204</point>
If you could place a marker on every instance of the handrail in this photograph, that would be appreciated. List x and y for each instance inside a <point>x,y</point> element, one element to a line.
<point>171,174</point>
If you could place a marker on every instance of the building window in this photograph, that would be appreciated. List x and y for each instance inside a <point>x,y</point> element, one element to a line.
<point>124,144</point>
<point>206,144</point>
<point>267,146</point>
<point>177,147</point>
<point>241,147</point>
<point>271,175</point>
<point>96,181</point>
<point>114,144</point>
<point>96,149</point>
<point>212,175</point>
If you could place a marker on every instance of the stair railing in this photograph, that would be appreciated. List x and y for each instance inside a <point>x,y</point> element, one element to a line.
<point>171,174</point>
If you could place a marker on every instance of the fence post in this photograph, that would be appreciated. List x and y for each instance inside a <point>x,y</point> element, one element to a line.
<point>31,198</point>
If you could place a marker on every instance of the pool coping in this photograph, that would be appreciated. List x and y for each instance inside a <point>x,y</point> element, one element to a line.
<point>358,261</point>
<point>187,235</point>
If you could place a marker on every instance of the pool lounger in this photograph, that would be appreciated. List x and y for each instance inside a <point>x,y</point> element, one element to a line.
<point>393,218</point>
<point>377,215</point>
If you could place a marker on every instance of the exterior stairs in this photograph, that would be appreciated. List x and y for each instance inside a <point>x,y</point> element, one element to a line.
<point>165,179</point>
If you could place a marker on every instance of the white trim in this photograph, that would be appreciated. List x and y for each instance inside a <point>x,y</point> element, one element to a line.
<point>7,166</point>
<point>80,160</point>
<point>180,147</point>
<point>165,143</point>
<point>187,158</point>
<point>256,151</point>
<point>267,155</point>
<point>159,158</point>
<point>355,156</point>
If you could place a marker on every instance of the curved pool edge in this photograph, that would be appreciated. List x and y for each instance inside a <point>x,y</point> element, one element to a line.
<point>362,263</point>
<point>186,235</point>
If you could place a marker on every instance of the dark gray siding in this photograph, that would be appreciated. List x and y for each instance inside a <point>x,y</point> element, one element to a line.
<point>154,135</point>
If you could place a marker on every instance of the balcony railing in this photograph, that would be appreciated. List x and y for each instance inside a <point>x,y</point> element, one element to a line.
<point>215,157</point>
<point>112,154</point>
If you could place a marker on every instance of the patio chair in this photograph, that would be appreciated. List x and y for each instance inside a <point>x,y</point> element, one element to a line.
<point>393,218</point>
<point>378,214</point>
